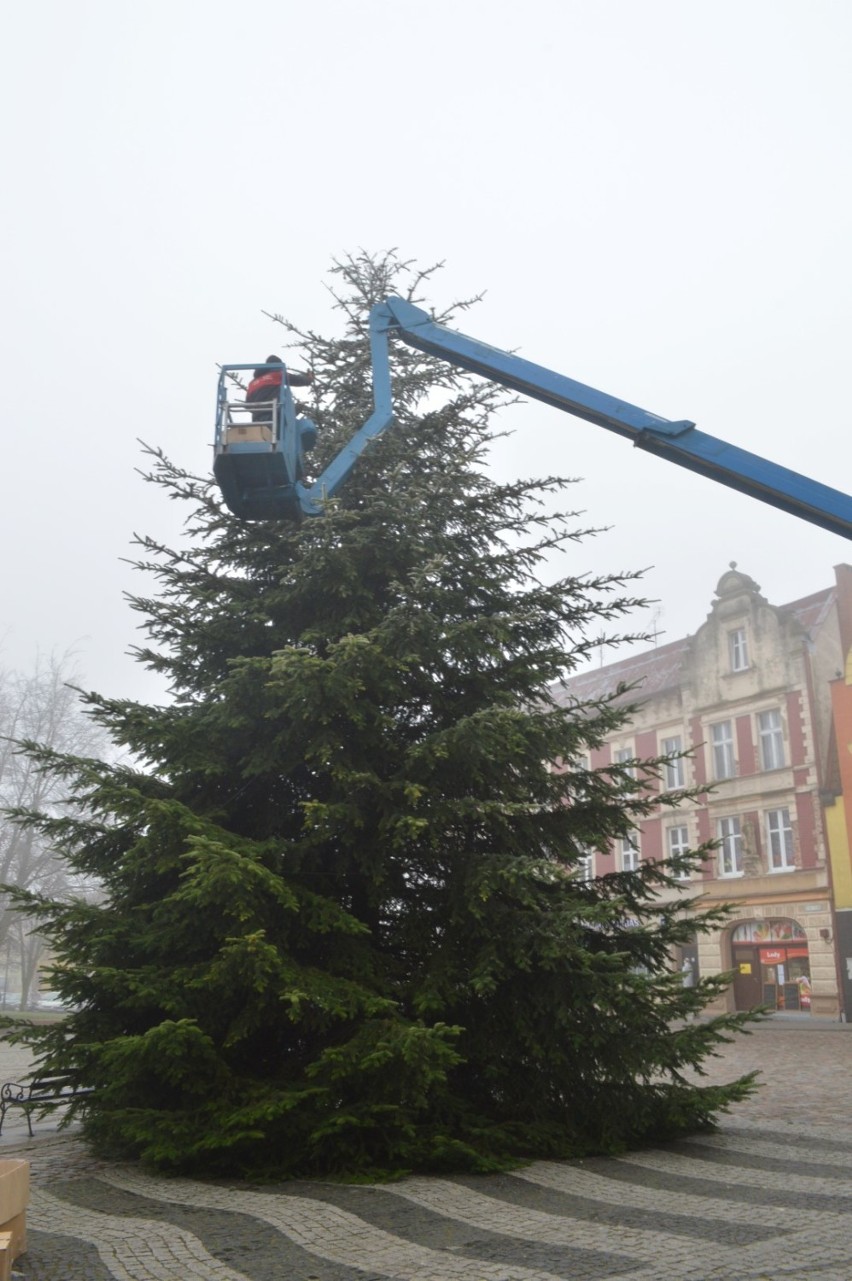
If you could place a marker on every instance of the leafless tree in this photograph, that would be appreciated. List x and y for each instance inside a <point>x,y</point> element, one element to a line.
<point>41,706</point>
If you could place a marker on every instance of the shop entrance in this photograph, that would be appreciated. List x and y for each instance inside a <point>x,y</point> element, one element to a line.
<point>771,965</point>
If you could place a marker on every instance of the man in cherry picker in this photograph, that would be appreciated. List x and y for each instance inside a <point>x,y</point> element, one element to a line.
<point>266,385</point>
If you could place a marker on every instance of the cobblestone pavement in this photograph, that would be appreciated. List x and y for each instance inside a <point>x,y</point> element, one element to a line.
<point>766,1197</point>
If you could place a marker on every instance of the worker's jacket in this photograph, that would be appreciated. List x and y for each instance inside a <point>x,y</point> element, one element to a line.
<point>267,386</point>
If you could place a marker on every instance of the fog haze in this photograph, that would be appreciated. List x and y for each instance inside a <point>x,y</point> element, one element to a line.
<point>655,198</point>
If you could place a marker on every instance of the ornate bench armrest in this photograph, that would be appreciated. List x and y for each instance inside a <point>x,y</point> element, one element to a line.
<point>15,1092</point>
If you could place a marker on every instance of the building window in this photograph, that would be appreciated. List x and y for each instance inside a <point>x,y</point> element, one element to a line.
<point>723,750</point>
<point>731,848</point>
<point>586,868</point>
<point>629,854</point>
<point>771,736</point>
<point>738,650</point>
<point>673,772</point>
<point>779,840</point>
<point>621,756</point>
<point>678,843</point>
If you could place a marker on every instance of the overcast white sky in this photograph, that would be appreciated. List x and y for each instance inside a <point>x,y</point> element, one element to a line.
<point>655,195</point>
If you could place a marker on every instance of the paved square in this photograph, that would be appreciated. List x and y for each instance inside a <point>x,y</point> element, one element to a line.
<point>766,1197</point>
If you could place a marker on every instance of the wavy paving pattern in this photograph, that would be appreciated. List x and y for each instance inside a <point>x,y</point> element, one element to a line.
<point>753,1203</point>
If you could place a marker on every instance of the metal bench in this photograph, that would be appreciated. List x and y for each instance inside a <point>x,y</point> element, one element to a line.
<point>40,1092</point>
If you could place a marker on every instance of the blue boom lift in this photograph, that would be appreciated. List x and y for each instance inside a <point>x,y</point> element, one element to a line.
<point>261,472</point>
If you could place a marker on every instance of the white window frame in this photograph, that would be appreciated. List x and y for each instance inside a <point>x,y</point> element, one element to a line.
<point>770,733</point>
<point>673,771</point>
<point>623,754</point>
<point>586,868</point>
<point>730,835</point>
<point>629,857</point>
<point>724,760</point>
<point>738,650</point>
<point>677,842</point>
<point>779,840</point>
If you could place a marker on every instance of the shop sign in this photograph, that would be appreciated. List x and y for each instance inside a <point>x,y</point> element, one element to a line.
<point>771,955</point>
<point>777,929</point>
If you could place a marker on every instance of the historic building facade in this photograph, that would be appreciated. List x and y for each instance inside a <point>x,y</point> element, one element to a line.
<point>752,698</point>
<point>838,792</point>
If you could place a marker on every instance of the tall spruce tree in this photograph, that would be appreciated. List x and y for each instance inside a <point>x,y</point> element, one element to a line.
<point>342,929</point>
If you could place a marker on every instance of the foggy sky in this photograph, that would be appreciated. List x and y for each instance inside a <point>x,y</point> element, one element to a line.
<point>655,197</point>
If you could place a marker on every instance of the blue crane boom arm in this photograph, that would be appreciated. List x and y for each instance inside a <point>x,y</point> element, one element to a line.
<point>679,442</point>
<point>329,482</point>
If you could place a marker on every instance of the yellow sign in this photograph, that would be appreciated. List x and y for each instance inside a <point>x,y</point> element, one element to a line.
<point>745,967</point>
